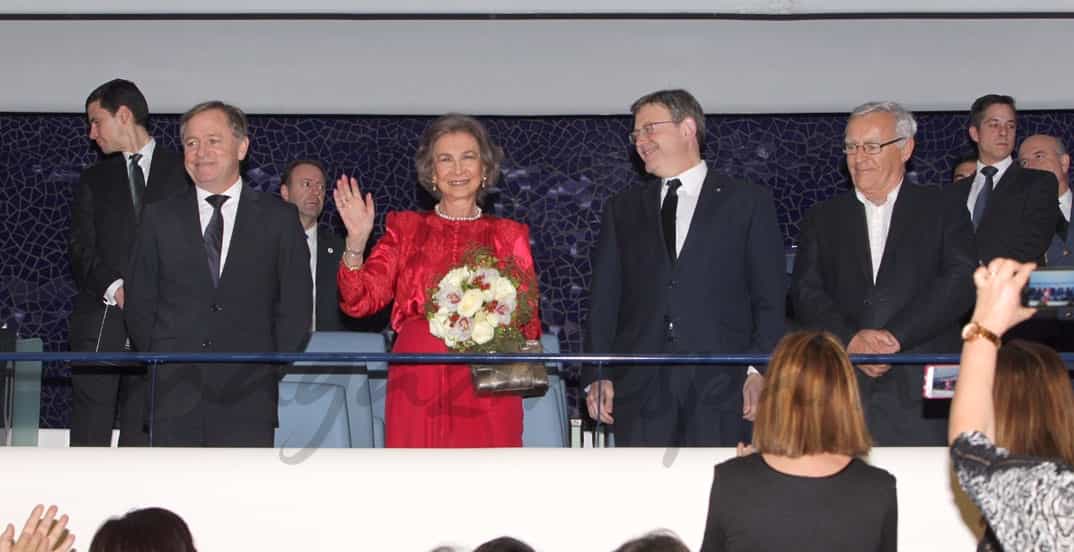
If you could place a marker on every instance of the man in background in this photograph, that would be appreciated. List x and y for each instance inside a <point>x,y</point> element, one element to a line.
<point>111,194</point>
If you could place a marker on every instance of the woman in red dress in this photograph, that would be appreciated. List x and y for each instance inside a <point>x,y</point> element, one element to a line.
<point>434,405</point>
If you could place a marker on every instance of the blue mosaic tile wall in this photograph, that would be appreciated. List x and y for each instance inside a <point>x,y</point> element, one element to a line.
<point>558,174</point>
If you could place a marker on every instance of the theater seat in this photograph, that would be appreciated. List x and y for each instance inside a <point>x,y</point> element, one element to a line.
<point>326,404</point>
<point>544,419</point>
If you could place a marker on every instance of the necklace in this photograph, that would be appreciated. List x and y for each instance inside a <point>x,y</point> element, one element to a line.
<point>446,216</point>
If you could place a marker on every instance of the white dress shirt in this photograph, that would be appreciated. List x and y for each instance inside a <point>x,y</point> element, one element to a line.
<point>228,211</point>
<point>311,241</point>
<point>878,223</point>
<point>979,180</point>
<point>145,162</point>
<point>688,193</point>
<point>1064,204</point>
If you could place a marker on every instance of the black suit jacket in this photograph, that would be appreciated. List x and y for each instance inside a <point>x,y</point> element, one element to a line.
<point>103,229</point>
<point>263,302</point>
<point>330,317</point>
<point>725,294</point>
<point>925,284</point>
<point>1019,220</point>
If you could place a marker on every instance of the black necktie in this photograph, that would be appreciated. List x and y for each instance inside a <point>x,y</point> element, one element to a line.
<point>136,179</point>
<point>982,197</point>
<point>667,216</point>
<point>214,236</point>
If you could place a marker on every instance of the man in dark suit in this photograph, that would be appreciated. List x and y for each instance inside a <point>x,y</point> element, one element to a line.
<point>1047,153</point>
<point>303,185</point>
<point>689,261</point>
<point>104,221</point>
<point>221,268</point>
<point>887,268</point>
<point>1012,209</point>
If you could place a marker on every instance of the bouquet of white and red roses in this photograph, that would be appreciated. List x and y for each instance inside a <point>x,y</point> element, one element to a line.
<point>481,306</point>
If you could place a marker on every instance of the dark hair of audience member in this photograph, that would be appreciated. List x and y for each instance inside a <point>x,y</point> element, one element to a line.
<point>1034,403</point>
<point>810,402</point>
<point>285,179</point>
<point>980,105</point>
<point>656,541</point>
<point>146,530</point>
<point>504,544</point>
<point>118,93</point>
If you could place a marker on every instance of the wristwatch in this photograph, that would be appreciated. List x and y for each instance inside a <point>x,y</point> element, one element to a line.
<point>973,330</point>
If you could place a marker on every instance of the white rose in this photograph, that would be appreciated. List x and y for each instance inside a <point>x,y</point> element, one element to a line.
<point>482,333</point>
<point>456,277</point>
<point>503,290</point>
<point>437,326</point>
<point>471,302</point>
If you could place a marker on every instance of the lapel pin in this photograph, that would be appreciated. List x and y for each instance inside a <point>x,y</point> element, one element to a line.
<point>330,250</point>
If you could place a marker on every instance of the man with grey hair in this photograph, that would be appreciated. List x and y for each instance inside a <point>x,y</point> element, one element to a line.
<point>1047,153</point>
<point>220,268</point>
<point>887,268</point>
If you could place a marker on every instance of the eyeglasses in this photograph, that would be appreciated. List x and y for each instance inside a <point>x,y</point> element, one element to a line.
<point>646,129</point>
<point>872,148</point>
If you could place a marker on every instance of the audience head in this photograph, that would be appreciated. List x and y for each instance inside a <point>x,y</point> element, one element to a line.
<point>879,139</point>
<point>504,544</point>
<point>993,123</point>
<point>303,185</point>
<point>669,132</point>
<point>214,144</point>
<point>456,157</point>
<point>810,402</point>
<point>115,110</point>
<point>965,167</point>
<point>147,530</point>
<point>1034,404</point>
<point>1047,153</point>
<point>656,541</point>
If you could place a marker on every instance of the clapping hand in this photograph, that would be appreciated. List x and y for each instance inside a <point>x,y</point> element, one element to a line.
<point>42,533</point>
<point>356,210</point>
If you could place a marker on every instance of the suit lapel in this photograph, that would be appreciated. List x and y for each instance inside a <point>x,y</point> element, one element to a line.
<point>190,230</point>
<point>859,238</point>
<point>902,219</point>
<point>246,217</point>
<point>703,224</point>
<point>650,208</point>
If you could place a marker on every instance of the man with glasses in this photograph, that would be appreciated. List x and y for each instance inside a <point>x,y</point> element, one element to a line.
<point>1013,209</point>
<point>689,261</point>
<point>887,269</point>
<point>303,185</point>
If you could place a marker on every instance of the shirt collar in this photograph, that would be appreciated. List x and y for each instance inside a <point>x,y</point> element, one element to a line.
<point>146,151</point>
<point>892,196</point>
<point>691,179</point>
<point>232,192</point>
<point>1001,167</point>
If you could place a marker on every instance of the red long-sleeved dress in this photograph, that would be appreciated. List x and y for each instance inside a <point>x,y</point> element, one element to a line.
<point>435,405</point>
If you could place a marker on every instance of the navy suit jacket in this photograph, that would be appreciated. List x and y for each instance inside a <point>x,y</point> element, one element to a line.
<point>103,230</point>
<point>1019,221</point>
<point>724,294</point>
<point>263,303</point>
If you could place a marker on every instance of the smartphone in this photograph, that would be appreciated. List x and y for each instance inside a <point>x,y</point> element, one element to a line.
<point>1049,288</point>
<point>940,381</point>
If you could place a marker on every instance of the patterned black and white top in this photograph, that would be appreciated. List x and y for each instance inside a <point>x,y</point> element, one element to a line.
<point>1028,502</point>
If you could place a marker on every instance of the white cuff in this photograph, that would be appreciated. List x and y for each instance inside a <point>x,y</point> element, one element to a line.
<point>110,293</point>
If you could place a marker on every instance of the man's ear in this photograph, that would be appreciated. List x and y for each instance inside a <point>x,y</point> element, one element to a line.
<point>243,147</point>
<point>974,135</point>
<point>284,192</point>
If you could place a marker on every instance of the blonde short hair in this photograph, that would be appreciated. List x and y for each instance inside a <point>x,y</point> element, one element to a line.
<point>810,403</point>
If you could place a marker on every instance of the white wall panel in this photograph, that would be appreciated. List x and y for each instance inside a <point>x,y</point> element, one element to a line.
<point>535,67</point>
